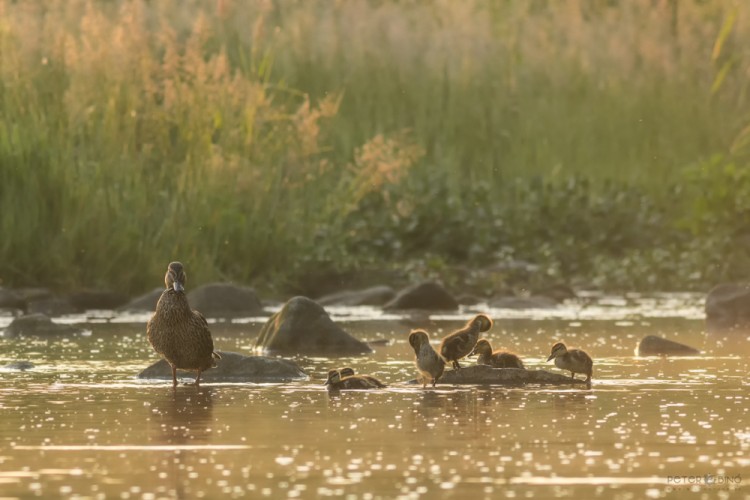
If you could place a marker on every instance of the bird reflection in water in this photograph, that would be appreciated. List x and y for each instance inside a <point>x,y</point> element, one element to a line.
<point>184,415</point>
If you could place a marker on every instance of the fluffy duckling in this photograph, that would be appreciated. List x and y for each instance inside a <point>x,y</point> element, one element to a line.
<point>347,372</point>
<point>336,381</point>
<point>496,359</point>
<point>178,333</point>
<point>461,342</point>
<point>429,363</point>
<point>573,360</point>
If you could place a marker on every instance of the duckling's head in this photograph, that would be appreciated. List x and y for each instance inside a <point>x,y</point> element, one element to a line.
<point>557,350</point>
<point>481,321</point>
<point>175,277</point>
<point>417,338</point>
<point>346,371</point>
<point>333,377</point>
<point>483,347</point>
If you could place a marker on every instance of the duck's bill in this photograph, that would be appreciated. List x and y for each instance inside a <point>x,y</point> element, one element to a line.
<point>178,286</point>
<point>550,357</point>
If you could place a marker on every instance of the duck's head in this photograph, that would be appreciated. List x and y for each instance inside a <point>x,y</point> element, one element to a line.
<point>175,277</point>
<point>483,347</point>
<point>557,350</point>
<point>346,371</point>
<point>417,338</point>
<point>333,377</point>
<point>481,321</point>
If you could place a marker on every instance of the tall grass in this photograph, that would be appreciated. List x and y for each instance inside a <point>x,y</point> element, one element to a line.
<point>259,141</point>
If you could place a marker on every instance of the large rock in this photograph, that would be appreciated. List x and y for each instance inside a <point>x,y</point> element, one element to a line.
<point>484,374</point>
<point>235,367</point>
<point>652,345</point>
<point>38,325</point>
<point>144,303</point>
<point>373,296</point>
<point>728,306</point>
<point>9,299</point>
<point>97,299</point>
<point>302,326</point>
<point>52,306</point>
<point>223,300</point>
<point>536,302</point>
<point>427,295</point>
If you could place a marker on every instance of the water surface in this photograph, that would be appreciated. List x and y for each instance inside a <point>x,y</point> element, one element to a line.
<point>81,424</point>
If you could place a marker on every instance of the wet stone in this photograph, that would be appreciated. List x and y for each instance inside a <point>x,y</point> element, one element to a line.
<point>144,303</point>
<point>427,295</point>
<point>20,366</point>
<point>234,367</point>
<point>38,325</point>
<point>224,300</point>
<point>653,345</point>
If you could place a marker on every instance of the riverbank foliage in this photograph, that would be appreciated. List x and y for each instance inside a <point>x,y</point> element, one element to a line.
<point>266,142</point>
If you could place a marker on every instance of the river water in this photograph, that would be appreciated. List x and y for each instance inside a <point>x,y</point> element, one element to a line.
<point>79,424</point>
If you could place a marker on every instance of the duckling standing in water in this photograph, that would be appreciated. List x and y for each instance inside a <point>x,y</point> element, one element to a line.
<point>335,381</point>
<point>573,360</point>
<point>461,342</point>
<point>496,359</point>
<point>347,372</point>
<point>178,333</point>
<point>429,363</point>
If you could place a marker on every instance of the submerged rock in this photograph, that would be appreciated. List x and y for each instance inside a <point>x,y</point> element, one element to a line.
<point>373,296</point>
<point>144,303</point>
<point>20,366</point>
<point>302,326</point>
<point>728,306</point>
<point>234,367</point>
<point>38,325</point>
<point>97,299</point>
<point>427,295</point>
<point>484,374</point>
<point>223,300</point>
<point>652,345</point>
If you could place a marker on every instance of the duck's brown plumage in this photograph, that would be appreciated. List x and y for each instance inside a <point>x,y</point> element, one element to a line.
<point>336,381</point>
<point>495,359</point>
<point>349,372</point>
<point>573,360</point>
<point>461,342</point>
<point>429,363</point>
<point>178,333</point>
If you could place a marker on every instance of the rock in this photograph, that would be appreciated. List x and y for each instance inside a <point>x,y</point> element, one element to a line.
<point>223,300</point>
<point>38,325</point>
<point>302,326</point>
<point>484,374</point>
<point>144,303</point>
<point>10,299</point>
<point>523,303</point>
<point>52,306</point>
<point>34,293</point>
<point>373,296</point>
<point>20,366</point>
<point>234,367</point>
<point>728,306</point>
<point>427,295</point>
<point>652,345</point>
<point>468,299</point>
<point>97,299</point>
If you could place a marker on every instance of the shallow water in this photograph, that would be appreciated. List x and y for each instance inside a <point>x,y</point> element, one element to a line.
<point>80,424</point>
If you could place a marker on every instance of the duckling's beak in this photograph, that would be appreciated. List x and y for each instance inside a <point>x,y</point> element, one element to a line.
<point>472,353</point>
<point>550,357</point>
<point>328,381</point>
<point>178,286</point>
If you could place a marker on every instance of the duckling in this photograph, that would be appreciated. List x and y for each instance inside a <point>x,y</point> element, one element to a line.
<point>496,359</point>
<point>347,372</point>
<point>429,363</point>
<point>335,381</point>
<point>178,333</point>
<point>461,342</point>
<point>573,360</point>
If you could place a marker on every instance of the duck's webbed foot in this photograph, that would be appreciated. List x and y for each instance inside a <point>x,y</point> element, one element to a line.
<point>456,365</point>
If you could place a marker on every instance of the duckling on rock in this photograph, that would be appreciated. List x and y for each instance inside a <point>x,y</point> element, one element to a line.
<point>347,372</point>
<point>178,333</point>
<point>461,342</point>
<point>496,359</point>
<point>336,381</point>
<point>573,360</point>
<point>429,363</point>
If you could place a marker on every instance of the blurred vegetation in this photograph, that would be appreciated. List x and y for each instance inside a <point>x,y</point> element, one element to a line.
<point>604,142</point>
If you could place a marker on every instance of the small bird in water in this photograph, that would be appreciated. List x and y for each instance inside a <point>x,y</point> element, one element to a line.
<point>347,372</point>
<point>335,381</point>
<point>496,359</point>
<point>461,342</point>
<point>178,333</point>
<point>429,363</point>
<point>573,360</point>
